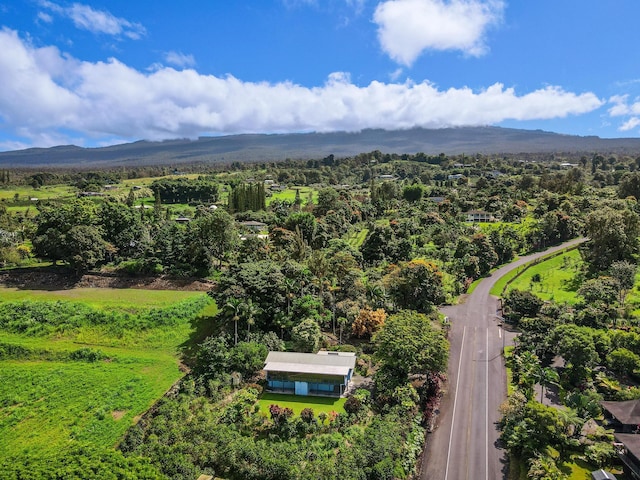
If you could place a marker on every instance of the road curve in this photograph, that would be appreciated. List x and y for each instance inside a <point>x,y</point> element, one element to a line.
<point>464,444</point>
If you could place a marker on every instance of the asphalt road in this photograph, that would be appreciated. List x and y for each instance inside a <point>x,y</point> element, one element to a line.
<point>464,444</point>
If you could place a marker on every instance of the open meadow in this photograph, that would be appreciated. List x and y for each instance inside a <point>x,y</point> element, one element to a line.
<point>82,365</point>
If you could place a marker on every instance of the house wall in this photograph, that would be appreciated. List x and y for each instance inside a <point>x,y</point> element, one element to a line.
<point>307,384</point>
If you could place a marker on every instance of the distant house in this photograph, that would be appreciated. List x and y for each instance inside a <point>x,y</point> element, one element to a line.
<point>455,176</point>
<point>479,216</point>
<point>624,416</point>
<point>437,199</point>
<point>254,226</point>
<point>324,373</point>
<point>386,177</point>
<point>182,219</point>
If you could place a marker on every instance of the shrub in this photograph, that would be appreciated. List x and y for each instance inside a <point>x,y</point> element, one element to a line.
<point>87,355</point>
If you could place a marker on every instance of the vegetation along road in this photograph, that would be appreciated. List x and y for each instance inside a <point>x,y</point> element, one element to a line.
<point>465,443</point>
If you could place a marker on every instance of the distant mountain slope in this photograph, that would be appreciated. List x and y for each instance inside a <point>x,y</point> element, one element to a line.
<point>255,148</point>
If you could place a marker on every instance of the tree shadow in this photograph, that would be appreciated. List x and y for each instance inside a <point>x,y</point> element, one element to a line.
<point>202,326</point>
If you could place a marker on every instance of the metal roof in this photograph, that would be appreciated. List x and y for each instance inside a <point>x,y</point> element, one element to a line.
<point>302,368</point>
<point>309,363</point>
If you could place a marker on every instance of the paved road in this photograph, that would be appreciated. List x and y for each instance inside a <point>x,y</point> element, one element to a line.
<point>464,445</point>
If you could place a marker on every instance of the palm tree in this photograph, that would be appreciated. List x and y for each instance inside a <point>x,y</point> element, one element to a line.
<point>289,285</point>
<point>232,310</point>
<point>545,377</point>
<point>570,420</point>
<point>526,366</point>
<point>376,295</point>
<point>249,310</point>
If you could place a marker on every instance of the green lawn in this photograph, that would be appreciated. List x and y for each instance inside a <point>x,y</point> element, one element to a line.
<point>290,195</point>
<point>298,403</point>
<point>130,299</point>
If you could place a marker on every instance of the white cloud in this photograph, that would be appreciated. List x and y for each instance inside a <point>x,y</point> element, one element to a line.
<point>406,28</point>
<point>45,17</point>
<point>179,59</point>
<point>48,97</point>
<point>95,21</point>
<point>395,75</point>
<point>630,124</point>
<point>622,107</point>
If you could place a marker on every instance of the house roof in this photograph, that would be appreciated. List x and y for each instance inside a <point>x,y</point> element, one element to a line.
<point>627,412</point>
<point>602,475</point>
<point>631,442</point>
<point>477,212</point>
<point>253,223</point>
<point>309,363</point>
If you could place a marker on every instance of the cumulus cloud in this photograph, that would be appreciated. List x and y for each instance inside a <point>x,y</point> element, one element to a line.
<point>95,21</point>
<point>406,28</point>
<point>47,95</point>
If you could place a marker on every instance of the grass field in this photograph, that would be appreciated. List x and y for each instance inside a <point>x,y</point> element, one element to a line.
<point>48,399</point>
<point>130,299</point>
<point>290,195</point>
<point>555,278</point>
<point>298,403</point>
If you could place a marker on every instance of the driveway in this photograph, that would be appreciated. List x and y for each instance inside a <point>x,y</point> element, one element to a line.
<point>465,444</point>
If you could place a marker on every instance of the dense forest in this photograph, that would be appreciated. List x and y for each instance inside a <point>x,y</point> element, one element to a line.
<point>348,254</point>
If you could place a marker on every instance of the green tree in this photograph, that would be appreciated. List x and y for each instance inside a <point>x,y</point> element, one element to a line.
<point>416,285</point>
<point>576,346</point>
<point>520,303</point>
<point>613,236</point>
<point>412,193</point>
<point>625,274</point>
<point>306,336</point>
<point>54,221</point>
<point>623,362</point>
<point>408,343</point>
<point>214,234</point>
<point>85,247</point>
<point>231,310</point>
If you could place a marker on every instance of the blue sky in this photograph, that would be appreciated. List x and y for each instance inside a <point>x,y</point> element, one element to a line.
<point>100,73</point>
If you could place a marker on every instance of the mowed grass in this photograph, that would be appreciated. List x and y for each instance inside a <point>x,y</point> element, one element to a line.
<point>356,238</point>
<point>556,275</point>
<point>44,193</point>
<point>298,403</point>
<point>48,400</point>
<point>129,299</point>
<point>290,195</point>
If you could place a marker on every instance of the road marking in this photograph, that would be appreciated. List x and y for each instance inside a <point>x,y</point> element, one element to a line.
<point>455,401</point>
<point>500,333</point>
<point>487,413</point>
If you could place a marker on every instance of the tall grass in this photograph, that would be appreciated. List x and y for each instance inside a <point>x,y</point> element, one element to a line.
<point>71,372</point>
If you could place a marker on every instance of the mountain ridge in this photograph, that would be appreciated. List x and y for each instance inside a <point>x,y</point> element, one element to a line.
<point>253,147</point>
